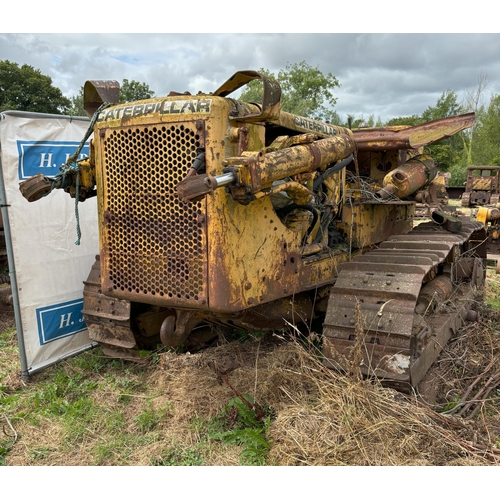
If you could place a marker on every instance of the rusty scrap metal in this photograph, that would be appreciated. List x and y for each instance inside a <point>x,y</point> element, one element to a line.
<point>35,187</point>
<point>394,138</point>
<point>452,224</point>
<point>97,92</point>
<point>482,186</point>
<point>433,293</point>
<point>408,178</point>
<point>254,173</point>
<point>271,99</point>
<point>387,281</point>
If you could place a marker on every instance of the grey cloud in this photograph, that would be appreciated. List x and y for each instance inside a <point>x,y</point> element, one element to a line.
<point>387,75</point>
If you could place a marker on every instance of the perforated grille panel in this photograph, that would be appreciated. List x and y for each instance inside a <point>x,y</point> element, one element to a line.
<point>155,245</point>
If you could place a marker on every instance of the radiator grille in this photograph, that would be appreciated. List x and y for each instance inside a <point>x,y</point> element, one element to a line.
<point>155,245</point>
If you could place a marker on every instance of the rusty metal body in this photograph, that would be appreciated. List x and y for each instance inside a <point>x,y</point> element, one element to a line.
<point>482,186</point>
<point>217,212</point>
<point>490,218</point>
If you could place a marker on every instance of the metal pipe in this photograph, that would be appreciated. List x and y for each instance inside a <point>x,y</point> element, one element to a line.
<point>410,177</point>
<point>220,180</point>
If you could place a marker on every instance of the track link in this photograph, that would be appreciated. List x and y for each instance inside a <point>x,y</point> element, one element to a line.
<point>108,319</point>
<point>372,304</point>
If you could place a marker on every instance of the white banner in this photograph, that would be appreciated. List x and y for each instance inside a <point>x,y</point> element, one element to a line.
<point>47,267</point>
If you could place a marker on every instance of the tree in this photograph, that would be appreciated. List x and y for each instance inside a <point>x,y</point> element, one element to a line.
<point>486,145</point>
<point>306,91</point>
<point>77,108</point>
<point>446,105</point>
<point>24,88</point>
<point>451,151</point>
<point>134,91</point>
<point>405,120</point>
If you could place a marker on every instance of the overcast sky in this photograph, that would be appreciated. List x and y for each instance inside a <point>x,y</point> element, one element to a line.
<point>385,75</point>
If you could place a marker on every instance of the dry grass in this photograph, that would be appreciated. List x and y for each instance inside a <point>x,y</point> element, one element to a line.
<point>104,412</point>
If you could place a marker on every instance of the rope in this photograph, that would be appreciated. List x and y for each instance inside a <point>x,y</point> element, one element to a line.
<point>71,166</point>
<point>77,216</point>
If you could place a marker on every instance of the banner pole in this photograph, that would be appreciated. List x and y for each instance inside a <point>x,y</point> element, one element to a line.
<point>12,274</point>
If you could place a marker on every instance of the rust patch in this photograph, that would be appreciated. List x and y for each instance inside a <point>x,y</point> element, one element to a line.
<point>394,138</point>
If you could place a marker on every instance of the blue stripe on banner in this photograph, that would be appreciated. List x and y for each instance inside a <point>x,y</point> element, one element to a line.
<point>45,156</point>
<point>60,320</point>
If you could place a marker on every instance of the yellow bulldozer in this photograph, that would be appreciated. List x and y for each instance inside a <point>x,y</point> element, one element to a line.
<point>217,213</point>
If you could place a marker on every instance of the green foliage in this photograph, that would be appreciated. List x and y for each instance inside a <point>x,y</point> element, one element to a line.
<point>77,108</point>
<point>446,105</point>
<point>5,448</point>
<point>452,403</point>
<point>24,88</point>
<point>179,456</point>
<point>410,121</point>
<point>247,429</point>
<point>306,91</point>
<point>479,145</point>
<point>150,417</point>
<point>486,145</point>
<point>494,298</point>
<point>447,152</point>
<point>361,122</point>
<point>458,174</point>
<point>134,91</point>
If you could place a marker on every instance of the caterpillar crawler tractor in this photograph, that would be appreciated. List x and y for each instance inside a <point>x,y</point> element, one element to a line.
<point>490,217</point>
<point>482,191</point>
<point>215,212</point>
<point>482,186</point>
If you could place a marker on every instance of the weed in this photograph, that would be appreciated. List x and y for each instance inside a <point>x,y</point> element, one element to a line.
<point>92,361</point>
<point>452,403</point>
<point>493,299</point>
<point>150,417</point>
<point>104,451</point>
<point>4,449</point>
<point>178,456</point>
<point>241,336</point>
<point>147,439</point>
<point>246,429</point>
<point>40,453</point>
<point>7,337</point>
